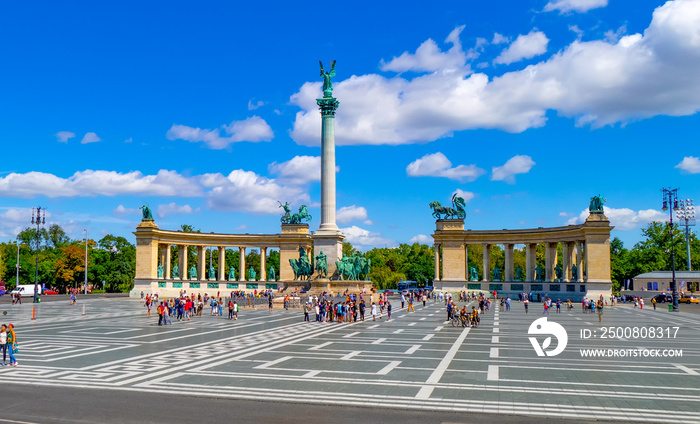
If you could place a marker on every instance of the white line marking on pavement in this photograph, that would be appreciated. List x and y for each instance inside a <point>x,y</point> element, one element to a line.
<point>373,326</point>
<point>686,369</point>
<point>399,331</point>
<point>351,354</point>
<point>439,328</point>
<point>310,374</point>
<point>379,341</point>
<point>495,339</point>
<point>435,377</point>
<point>347,336</point>
<point>493,353</point>
<point>492,373</point>
<point>428,336</point>
<point>412,324</point>
<point>317,347</point>
<point>387,369</point>
<point>422,319</point>
<point>496,330</point>
<point>271,363</point>
<point>412,349</point>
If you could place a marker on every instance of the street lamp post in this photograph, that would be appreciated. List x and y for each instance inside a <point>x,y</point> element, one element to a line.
<point>17,266</point>
<point>670,197</point>
<point>686,216</point>
<point>86,259</point>
<point>38,218</point>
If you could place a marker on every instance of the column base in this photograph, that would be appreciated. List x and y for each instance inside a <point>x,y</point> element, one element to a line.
<point>332,246</point>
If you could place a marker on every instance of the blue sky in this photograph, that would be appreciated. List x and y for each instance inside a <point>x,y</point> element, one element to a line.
<point>206,112</point>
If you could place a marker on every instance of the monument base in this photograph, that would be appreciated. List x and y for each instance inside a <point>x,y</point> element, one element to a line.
<point>332,246</point>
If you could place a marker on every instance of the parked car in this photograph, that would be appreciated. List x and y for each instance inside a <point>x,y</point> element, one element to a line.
<point>387,291</point>
<point>663,298</point>
<point>47,291</point>
<point>689,299</point>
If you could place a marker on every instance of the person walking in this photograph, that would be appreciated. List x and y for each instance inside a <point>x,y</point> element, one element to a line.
<point>507,303</point>
<point>374,311</point>
<point>12,344</point>
<point>600,311</point>
<point>526,301</point>
<point>160,314</point>
<point>3,344</point>
<point>653,302</point>
<point>306,312</point>
<point>388,310</point>
<point>410,305</point>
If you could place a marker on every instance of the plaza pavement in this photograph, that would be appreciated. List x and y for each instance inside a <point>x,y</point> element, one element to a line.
<point>417,361</point>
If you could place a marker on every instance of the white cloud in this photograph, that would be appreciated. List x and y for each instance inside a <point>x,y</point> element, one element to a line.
<point>246,191</point>
<point>350,213</point>
<point>123,211</point>
<point>582,6</point>
<point>429,57</point>
<point>129,140</point>
<point>253,129</point>
<point>14,220</point>
<point>255,105</point>
<point>437,165</point>
<point>499,39</point>
<point>596,82</point>
<point>360,237</point>
<point>368,222</point>
<point>624,219</point>
<point>97,183</point>
<point>175,209</point>
<point>564,214</point>
<point>524,47</point>
<point>64,136</point>
<point>519,164</point>
<point>466,195</point>
<point>298,170</point>
<point>422,239</point>
<point>90,137</point>
<point>690,164</point>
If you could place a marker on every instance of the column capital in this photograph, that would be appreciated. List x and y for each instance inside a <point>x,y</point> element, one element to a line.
<point>328,105</point>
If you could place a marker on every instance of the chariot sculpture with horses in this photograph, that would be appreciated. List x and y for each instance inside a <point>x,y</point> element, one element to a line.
<point>296,218</point>
<point>456,211</point>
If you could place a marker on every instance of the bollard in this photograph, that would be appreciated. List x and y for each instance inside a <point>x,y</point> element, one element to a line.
<point>83,309</point>
<point>34,312</point>
<point>670,307</point>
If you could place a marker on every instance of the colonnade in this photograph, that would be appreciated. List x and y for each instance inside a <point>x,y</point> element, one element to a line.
<point>572,254</point>
<point>202,269</point>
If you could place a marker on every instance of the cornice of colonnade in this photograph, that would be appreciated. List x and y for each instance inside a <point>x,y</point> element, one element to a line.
<point>153,233</point>
<point>451,232</point>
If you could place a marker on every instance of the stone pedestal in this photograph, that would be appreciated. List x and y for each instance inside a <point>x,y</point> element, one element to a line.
<point>332,246</point>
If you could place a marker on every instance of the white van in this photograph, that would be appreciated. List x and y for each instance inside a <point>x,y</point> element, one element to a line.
<point>26,289</point>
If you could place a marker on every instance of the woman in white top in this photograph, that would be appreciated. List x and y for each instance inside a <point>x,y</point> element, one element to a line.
<point>3,344</point>
<point>374,311</point>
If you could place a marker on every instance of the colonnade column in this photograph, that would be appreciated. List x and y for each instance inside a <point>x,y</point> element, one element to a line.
<point>166,264</point>
<point>579,261</point>
<point>241,264</point>
<point>566,260</point>
<point>550,254</point>
<point>201,263</point>
<point>509,262</point>
<point>487,262</point>
<point>263,271</point>
<point>437,262</point>
<point>529,263</point>
<point>182,253</point>
<point>161,257</point>
<point>222,263</point>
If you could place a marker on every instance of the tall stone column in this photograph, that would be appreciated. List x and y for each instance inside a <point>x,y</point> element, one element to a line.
<point>182,253</point>
<point>529,262</point>
<point>241,264</point>
<point>579,261</point>
<point>487,263</point>
<point>161,257</point>
<point>437,262</point>
<point>222,263</point>
<point>566,260</point>
<point>201,263</point>
<point>166,265</point>
<point>263,260</point>
<point>550,254</point>
<point>509,262</point>
<point>328,238</point>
